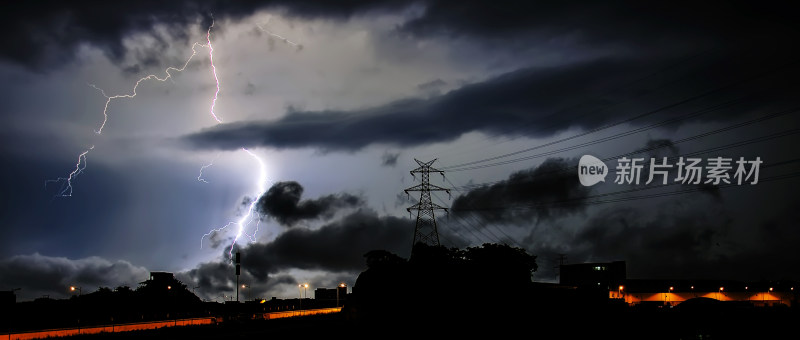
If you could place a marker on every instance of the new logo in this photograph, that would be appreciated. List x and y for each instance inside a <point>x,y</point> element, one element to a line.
<point>591,170</point>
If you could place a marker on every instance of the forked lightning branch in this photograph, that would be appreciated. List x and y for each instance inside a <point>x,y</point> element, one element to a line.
<point>247,220</point>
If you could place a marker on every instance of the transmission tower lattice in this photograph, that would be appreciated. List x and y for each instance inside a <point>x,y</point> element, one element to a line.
<point>425,230</point>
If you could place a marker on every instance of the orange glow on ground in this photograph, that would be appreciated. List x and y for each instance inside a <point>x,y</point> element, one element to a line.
<point>53,333</point>
<point>672,298</point>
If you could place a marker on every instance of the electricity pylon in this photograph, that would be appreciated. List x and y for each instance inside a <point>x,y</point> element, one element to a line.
<point>425,230</point>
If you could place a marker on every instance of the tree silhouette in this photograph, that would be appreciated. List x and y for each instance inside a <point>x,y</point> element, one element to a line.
<point>437,282</point>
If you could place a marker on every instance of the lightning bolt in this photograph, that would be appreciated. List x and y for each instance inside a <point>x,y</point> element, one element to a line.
<point>200,176</point>
<point>66,190</point>
<point>214,71</point>
<point>251,215</point>
<point>286,40</point>
<point>149,77</point>
<point>247,219</point>
<point>66,186</point>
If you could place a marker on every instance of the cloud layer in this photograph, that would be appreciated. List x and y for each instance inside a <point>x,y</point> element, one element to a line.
<point>39,275</point>
<point>47,33</point>
<point>536,102</point>
<point>336,247</point>
<point>282,202</point>
<point>523,197</point>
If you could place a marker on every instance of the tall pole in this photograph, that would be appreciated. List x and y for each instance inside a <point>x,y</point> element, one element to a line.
<point>78,303</point>
<point>425,230</point>
<point>238,271</point>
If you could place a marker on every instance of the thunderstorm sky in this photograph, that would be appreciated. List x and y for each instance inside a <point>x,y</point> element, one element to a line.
<point>338,101</point>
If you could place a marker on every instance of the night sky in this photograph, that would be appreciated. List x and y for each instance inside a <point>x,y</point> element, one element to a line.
<point>337,100</point>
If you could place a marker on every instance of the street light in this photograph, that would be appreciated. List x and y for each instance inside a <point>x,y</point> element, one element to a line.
<point>671,288</point>
<point>172,306</point>
<point>80,291</point>
<point>243,287</point>
<point>300,288</point>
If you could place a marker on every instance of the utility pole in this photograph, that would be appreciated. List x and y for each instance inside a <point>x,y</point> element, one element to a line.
<point>425,230</point>
<point>238,271</point>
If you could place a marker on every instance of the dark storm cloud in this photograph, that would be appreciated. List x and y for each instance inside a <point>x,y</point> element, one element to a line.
<point>282,202</point>
<point>432,87</point>
<point>661,148</point>
<point>625,229</point>
<point>389,158</point>
<point>695,242</point>
<point>693,236</point>
<point>39,275</point>
<point>534,102</point>
<point>217,281</point>
<point>610,22</point>
<point>518,198</point>
<point>45,34</point>
<point>512,104</point>
<point>211,277</point>
<point>337,246</point>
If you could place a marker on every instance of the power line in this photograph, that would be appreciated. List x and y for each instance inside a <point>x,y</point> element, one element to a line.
<point>623,134</point>
<point>469,227</point>
<point>451,229</point>
<point>781,163</point>
<point>641,94</point>
<point>475,219</point>
<point>572,168</point>
<point>663,108</point>
<point>622,199</point>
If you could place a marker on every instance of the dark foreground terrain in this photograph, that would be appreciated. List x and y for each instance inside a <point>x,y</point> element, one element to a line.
<point>613,323</point>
